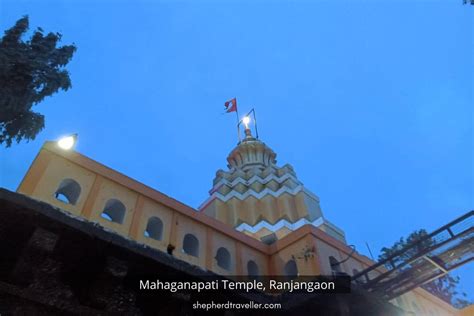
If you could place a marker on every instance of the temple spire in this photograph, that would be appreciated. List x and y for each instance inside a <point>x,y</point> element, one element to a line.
<point>259,197</point>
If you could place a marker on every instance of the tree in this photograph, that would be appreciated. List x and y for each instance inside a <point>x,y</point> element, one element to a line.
<point>29,72</point>
<point>443,287</point>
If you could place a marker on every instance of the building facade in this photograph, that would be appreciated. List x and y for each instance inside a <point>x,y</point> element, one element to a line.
<point>258,220</point>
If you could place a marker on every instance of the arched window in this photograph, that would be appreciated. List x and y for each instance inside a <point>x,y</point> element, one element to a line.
<point>154,228</point>
<point>291,270</point>
<point>68,191</point>
<point>335,265</point>
<point>252,270</point>
<point>223,258</point>
<point>191,245</point>
<point>114,211</point>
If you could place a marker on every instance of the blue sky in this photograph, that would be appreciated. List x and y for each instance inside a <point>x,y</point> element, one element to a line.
<point>371,102</point>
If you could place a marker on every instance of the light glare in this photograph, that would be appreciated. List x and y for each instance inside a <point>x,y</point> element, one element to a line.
<point>246,121</point>
<point>67,142</point>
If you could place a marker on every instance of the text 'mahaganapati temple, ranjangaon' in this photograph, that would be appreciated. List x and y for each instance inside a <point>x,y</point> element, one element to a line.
<point>77,229</point>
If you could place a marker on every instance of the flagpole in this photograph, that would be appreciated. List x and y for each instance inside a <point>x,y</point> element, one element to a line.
<point>232,109</point>
<point>238,123</point>
<point>255,119</point>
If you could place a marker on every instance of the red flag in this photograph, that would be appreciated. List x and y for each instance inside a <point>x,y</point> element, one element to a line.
<point>231,108</point>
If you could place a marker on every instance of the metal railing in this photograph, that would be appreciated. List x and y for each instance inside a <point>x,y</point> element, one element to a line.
<point>431,257</point>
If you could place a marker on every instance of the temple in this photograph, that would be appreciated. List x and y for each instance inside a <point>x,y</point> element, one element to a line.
<point>261,199</point>
<point>258,220</point>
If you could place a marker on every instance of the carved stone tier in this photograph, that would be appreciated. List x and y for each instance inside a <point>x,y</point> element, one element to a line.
<point>255,191</point>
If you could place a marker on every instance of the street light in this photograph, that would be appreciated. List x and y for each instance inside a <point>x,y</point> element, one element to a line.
<point>67,142</point>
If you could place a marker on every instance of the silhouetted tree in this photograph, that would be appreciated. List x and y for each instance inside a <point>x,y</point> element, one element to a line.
<point>29,72</point>
<point>443,287</point>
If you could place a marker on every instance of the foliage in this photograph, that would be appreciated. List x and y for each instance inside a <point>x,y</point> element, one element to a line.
<point>29,72</point>
<point>443,287</point>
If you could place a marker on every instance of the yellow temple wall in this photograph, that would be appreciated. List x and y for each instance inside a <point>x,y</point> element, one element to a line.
<point>149,209</point>
<point>296,250</point>
<point>100,184</point>
<point>420,302</point>
<point>56,168</point>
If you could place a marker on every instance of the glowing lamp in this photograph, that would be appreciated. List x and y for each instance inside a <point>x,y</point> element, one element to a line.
<point>67,142</point>
<point>246,121</point>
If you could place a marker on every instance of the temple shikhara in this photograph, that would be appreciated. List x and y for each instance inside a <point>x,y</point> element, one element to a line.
<point>262,199</point>
<point>86,228</point>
